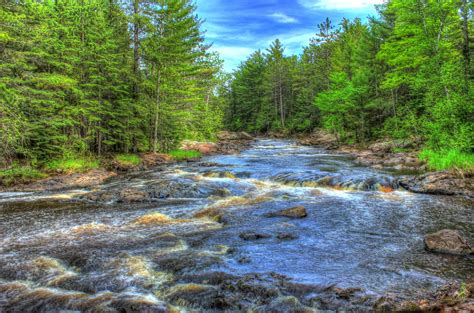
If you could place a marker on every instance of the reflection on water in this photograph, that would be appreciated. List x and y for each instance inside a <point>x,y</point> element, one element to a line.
<point>73,251</point>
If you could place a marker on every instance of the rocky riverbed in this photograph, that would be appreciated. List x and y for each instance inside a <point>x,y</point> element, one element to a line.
<point>278,228</point>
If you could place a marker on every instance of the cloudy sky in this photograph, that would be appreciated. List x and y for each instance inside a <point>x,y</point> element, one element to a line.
<point>238,27</point>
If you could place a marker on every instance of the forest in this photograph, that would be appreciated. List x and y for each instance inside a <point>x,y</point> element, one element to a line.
<point>104,76</point>
<point>407,73</point>
<point>109,76</point>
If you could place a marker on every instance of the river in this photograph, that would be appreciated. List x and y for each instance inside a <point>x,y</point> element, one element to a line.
<point>62,251</point>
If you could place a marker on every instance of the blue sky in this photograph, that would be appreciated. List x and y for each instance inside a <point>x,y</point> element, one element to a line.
<point>238,27</point>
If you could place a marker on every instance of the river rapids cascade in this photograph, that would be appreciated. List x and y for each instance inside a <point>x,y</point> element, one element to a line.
<point>212,235</point>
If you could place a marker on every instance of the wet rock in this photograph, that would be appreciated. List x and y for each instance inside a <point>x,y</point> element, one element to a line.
<point>134,304</point>
<point>447,241</point>
<point>244,260</point>
<point>295,212</point>
<point>185,261</point>
<point>133,195</point>
<point>285,305</point>
<point>219,175</point>
<point>346,293</point>
<point>205,296</point>
<point>99,196</point>
<point>442,183</point>
<point>253,236</point>
<point>287,236</point>
<point>69,181</point>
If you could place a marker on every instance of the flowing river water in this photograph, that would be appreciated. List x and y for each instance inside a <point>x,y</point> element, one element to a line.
<point>182,248</point>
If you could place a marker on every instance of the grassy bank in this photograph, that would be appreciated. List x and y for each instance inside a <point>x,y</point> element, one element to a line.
<point>180,155</point>
<point>26,173</point>
<point>20,174</point>
<point>447,160</point>
<point>72,165</point>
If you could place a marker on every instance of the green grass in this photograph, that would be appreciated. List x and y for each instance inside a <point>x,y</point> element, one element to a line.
<point>447,159</point>
<point>128,159</point>
<point>184,154</point>
<point>19,175</point>
<point>77,164</point>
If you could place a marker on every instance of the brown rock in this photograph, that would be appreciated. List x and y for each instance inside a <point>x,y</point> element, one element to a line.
<point>447,241</point>
<point>203,147</point>
<point>441,183</point>
<point>295,212</point>
<point>133,195</point>
<point>154,159</point>
<point>245,136</point>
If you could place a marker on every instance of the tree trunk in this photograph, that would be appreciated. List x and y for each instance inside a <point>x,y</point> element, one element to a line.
<point>465,33</point>
<point>157,107</point>
<point>136,42</point>
<point>282,111</point>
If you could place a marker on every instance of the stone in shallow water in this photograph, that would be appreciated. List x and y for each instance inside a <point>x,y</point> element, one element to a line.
<point>448,241</point>
<point>287,236</point>
<point>295,212</point>
<point>284,305</point>
<point>253,236</point>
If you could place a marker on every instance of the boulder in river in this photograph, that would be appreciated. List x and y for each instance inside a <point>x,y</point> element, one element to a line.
<point>448,241</point>
<point>253,236</point>
<point>294,212</point>
<point>440,183</point>
<point>287,236</point>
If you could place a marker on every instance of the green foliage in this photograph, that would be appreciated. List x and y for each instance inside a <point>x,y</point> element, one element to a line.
<point>447,159</point>
<point>128,159</point>
<point>19,175</point>
<point>77,164</point>
<point>184,154</point>
<point>406,74</point>
<point>75,80</point>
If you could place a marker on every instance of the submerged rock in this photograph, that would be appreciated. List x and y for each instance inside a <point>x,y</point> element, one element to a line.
<point>253,236</point>
<point>295,212</point>
<point>285,305</point>
<point>447,241</point>
<point>287,236</point>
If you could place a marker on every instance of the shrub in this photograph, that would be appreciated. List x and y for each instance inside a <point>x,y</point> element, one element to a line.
<point>19,175</point>
<point>184,154</point>
<point>128,159</point>
<point>76,164</point>
<point>447,159</point>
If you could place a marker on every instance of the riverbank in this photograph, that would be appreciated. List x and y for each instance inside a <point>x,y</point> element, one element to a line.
<point>401,157</point>
<point>87,172</point>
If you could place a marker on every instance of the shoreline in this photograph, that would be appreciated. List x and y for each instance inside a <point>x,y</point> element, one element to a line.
<point>414,174</point>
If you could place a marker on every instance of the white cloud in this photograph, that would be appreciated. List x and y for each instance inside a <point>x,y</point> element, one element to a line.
<point>232,56</point>
<point>283,18</point>
<point>339,4</point>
